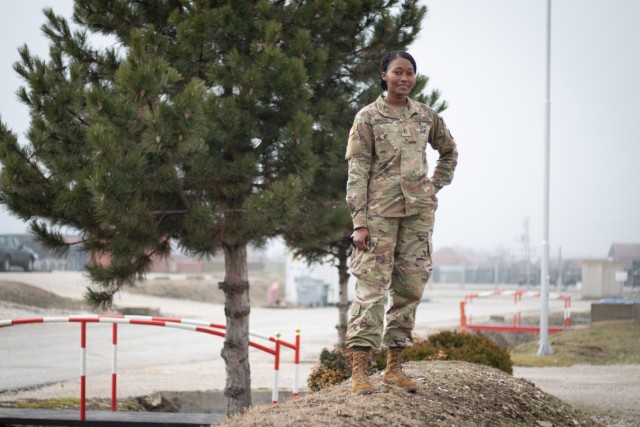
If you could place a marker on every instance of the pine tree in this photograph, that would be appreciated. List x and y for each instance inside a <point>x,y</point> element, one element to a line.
<point>192,131</point>
<point>324,222</point>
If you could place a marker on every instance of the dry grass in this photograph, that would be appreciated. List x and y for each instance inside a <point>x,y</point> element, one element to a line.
<point>450,394</point>
<point>23,294</point>
<point>599,343</point>
<point>194,288</point>
<point>203,289</point>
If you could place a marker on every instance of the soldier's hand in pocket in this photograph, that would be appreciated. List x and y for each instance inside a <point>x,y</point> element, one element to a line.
<point>361,239</point>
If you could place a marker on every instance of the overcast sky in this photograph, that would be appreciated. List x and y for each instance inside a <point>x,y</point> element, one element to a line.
<point>488,60</point>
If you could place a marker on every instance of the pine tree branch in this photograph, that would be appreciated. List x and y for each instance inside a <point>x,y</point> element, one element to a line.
<point>77,116</point>
<point>173,212</point>
<point>33,165</point>
<point>183,198</point>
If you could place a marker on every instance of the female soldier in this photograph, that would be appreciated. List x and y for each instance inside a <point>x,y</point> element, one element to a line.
<point>392,202</point>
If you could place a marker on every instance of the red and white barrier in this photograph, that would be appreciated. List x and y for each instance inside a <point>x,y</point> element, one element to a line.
<point>114,364</point>
<point>466,312</point>
<point>83,369</point>
<point>276,371</point>
<point>186,324</point>
<point>296,366</point>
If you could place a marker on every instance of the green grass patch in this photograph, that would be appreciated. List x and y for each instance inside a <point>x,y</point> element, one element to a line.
<point>599,343</point>
<point>60,403</point>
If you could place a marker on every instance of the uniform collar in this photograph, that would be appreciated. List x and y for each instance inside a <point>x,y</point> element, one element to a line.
<point>388,111</point>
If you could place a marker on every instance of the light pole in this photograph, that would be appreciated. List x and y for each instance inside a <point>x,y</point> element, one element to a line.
<point>545,347</point>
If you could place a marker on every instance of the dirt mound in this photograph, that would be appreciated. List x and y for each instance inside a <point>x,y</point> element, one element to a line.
<point>27,295</point>
<point>449,394</point>
<point>204,289</point>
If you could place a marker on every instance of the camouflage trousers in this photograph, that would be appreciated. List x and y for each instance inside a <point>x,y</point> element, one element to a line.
<point>398,262</point>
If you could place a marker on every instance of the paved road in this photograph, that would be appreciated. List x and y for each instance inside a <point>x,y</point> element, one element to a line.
<point>43,360</point>
<point>613,390</point>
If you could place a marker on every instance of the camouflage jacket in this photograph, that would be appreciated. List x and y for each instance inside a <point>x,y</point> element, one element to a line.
<point>388,171</point>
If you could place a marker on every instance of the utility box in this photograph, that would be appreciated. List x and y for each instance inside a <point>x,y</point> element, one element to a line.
<point>616,309</point>
<point>599,278</point>
<point>311,292</point>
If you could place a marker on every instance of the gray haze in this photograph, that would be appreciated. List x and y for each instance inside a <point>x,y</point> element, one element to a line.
<point>488,58</point>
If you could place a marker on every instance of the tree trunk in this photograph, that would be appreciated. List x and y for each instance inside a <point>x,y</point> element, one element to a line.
<point>236,344</point>
<point>343,302</point>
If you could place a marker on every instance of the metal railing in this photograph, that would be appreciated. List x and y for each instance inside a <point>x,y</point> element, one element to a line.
<point>185,324</point>
<point>466,312</point>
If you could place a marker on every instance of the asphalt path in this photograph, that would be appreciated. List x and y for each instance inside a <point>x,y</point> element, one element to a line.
<point>43,360</point>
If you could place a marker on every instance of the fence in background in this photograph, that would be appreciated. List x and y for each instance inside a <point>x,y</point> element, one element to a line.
<point>466,312</point>
<point>185,324</point>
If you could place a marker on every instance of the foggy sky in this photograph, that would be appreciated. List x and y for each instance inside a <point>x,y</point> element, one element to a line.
<point>488,60</point>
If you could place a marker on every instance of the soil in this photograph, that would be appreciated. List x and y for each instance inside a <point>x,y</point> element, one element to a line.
<point>449,394</point>
<point>195,289</point>
<point>27,295</point>
<point>201,288</point>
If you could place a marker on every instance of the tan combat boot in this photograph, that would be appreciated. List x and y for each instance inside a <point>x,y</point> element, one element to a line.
<point>360,373</point>
<point>393,373</point>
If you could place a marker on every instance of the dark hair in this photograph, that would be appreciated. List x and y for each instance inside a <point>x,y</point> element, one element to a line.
<point>388,58</point>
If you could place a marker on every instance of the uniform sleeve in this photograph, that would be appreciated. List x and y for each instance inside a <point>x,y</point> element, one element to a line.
<point>441,140</point>
<point>359,156</point>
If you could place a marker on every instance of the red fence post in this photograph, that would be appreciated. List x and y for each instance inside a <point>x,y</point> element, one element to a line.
<point>518,309</point>
<point>276,371</point>
<point>296,366</point>
<point>567,312</point>
<point>114,365</point>
<point>463,317</point>
<point>83,368</point>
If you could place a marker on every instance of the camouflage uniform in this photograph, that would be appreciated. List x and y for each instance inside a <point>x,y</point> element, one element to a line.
<point>389,192</point>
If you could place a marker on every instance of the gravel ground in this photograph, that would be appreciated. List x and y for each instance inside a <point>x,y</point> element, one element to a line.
<point>611,391</point>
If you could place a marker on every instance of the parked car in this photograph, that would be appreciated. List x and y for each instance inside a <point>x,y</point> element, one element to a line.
<point>12,252</point>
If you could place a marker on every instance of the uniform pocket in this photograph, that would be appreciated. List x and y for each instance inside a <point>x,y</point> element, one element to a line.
<point>386,147</point>
<point>428,264</point>
<point>363,263</point>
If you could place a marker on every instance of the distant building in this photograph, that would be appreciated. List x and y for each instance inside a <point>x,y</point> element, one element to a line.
<point>629,255</point>
<point>449,266</point>
<point>600,278</point>
<point>464,266</point>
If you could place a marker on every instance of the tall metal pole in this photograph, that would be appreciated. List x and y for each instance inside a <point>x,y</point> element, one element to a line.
<point>560,271</point>
<point>545,347</point>
<point>527,251</point>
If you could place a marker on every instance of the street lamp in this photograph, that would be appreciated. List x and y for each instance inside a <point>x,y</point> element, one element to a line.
<point>545,347</point>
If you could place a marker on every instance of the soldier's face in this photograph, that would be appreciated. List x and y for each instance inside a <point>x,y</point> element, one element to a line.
<point>400,77</point>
